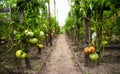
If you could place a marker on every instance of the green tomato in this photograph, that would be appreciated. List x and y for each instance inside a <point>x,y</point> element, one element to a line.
<point>30,34</point>
<point>93,56</point>
<point>24,55</point>
<point>14,32</point>
<point>18,54</point>
<point>41,33</point>
<point>33,40</point>
<point>104,43</point>
<point>26,31</point>
<point>18,36</point>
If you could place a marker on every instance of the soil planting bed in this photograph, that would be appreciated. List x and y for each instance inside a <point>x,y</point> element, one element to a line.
<point>109,65</point>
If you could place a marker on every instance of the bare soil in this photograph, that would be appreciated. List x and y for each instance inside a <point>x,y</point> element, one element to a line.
<point>61,60</point>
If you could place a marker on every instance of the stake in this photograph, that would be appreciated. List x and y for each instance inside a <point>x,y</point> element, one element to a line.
<point>49,33</point>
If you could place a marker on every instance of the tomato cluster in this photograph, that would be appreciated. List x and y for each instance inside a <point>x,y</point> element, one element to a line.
<point>88,50</point>
<point>91,51</point>
<point>20,54</point>
<point>33,36</point>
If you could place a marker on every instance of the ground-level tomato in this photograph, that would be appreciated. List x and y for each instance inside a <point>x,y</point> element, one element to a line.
<point>24,55</point>
<point>18,53</point>
<point>40,45</point>
<point>92,49</point>
<point>93,56</point>
<point>86,50</point>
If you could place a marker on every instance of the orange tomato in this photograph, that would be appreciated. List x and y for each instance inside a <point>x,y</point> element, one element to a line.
<point>86,50</point>
<point>92,49</point>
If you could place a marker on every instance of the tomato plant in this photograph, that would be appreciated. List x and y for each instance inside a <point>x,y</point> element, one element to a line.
<point>28,26</point>
<point>89,23</point>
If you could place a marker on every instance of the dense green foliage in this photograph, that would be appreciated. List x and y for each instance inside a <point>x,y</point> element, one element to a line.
<point>93,22</point>
<point>26,23</point>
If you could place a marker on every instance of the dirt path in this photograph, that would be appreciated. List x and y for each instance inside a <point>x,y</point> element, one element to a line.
<point>60,61</point>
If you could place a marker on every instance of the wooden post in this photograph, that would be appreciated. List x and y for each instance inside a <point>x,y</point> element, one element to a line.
<point>88,36</point>
<point>46,38</point>
<point>49,32</point>
<point>27,59</point>
<point>55,16</point>
<point>39,50</point>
